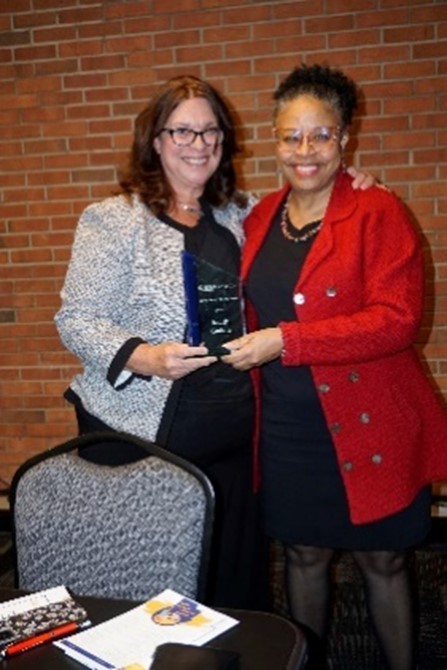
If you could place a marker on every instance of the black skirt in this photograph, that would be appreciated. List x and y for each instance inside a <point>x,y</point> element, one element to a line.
<point>303,495</point>
<point>215,433</point>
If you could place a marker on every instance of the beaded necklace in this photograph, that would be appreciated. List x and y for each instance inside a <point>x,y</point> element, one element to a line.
<point>291,233</point>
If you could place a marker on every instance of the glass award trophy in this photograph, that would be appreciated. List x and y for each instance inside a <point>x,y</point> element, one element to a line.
<point>213,304</point>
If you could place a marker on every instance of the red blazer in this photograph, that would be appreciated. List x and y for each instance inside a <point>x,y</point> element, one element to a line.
<point>358,306</point>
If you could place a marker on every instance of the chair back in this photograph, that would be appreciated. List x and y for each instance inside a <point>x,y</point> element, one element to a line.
<point>125,531</point>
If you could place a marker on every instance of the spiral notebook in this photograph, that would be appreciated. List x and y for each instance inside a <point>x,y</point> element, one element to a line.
<point>26,618</point>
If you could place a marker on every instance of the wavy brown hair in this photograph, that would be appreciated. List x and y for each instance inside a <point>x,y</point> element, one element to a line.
<point>144,173</point>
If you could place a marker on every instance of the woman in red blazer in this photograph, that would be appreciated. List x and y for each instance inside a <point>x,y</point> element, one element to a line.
<point>350,433</point>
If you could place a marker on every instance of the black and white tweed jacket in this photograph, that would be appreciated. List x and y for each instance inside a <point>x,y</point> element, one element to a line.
<point>124,280</point>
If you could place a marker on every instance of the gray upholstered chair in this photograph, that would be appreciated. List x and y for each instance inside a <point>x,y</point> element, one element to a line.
<point>123,531</point>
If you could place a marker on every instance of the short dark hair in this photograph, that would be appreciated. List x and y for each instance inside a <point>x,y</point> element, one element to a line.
<point>324,83</point>
<point>144,173</point>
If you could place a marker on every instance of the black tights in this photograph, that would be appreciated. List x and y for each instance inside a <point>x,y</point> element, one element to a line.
<point>388,597</point>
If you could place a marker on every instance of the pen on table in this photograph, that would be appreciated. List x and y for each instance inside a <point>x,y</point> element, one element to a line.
<point>24,645</point>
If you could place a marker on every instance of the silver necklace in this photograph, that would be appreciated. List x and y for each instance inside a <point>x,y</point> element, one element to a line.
<point>189,208</point>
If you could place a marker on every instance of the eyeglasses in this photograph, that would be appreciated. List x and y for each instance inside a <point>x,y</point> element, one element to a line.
<point>184,137</point>
<point>319,138</point>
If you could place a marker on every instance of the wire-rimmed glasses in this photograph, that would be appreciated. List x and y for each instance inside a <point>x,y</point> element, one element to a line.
<point>319,138</point>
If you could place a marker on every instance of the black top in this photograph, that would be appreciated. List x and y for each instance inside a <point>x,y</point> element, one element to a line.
<point>281,260</point>
<point>214,243</point>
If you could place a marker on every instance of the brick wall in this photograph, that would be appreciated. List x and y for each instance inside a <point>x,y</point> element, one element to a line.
<point>74,73</point>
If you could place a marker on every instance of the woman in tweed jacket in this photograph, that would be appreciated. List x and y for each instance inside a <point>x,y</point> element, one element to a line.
<point>123,315</point>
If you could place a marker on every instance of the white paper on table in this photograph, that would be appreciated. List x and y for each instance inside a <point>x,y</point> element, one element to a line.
<point>130,639</point>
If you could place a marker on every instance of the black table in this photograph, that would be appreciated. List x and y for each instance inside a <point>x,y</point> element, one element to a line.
<point>264,641</point>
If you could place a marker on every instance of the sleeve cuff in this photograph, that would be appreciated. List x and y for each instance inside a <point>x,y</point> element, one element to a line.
<point>117,376</point>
